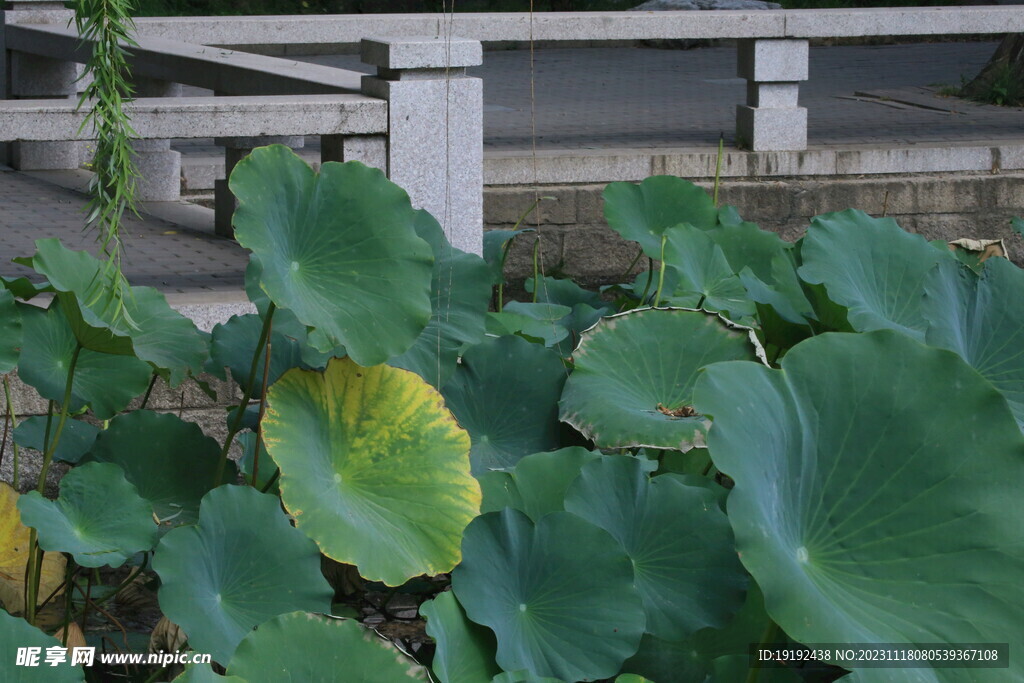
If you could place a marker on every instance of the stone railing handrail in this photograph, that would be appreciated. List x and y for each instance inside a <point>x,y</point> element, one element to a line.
<point>203,117</point>
<point>575,26</point>
<point>223,71</point>
<point>419,118</point>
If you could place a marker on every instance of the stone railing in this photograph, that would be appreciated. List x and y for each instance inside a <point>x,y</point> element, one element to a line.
<point>419,118</point>
<point>772,45</point>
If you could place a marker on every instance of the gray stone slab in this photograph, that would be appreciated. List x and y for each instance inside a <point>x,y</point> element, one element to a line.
<point>186,117</point>
<point>225,71</point>
<point>764,129</point>
<point>772,60</point>
<point>500,27</point>
<point>421,52</point>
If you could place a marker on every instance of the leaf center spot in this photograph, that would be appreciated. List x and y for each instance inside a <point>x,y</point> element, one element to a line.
<point>801,555</point>
<point>522,607</point>
<point>295,266</point>
<point>337,478</point>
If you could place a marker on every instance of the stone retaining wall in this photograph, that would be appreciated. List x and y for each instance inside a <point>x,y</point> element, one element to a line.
<point>578,243</point>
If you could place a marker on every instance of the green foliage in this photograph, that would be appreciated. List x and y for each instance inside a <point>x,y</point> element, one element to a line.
<point>76,439</point>
<point>16,633</point>
<point>338,249</point>
<point>242,564</point>
<point>558,594</point>
<point>630,389</point>
<point>99,517</point>
<point>505,394</point>
<point>907,516</point>
<point>106,77</point>
<point>678,539</point>
<point>373,468</point>
<point>465,651</point>
<point>281,649</point>
<point>460,289</point>
<point>871,266</point>
<point>834,432</point>
<point>170,461</point>
<point>10,331</point>
<point>104,382</point>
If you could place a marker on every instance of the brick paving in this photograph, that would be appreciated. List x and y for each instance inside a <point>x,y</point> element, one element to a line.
<point>594,98</point>
<point>156,253</point>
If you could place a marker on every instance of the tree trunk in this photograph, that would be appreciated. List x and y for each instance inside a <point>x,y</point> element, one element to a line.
<point>1001,81</point>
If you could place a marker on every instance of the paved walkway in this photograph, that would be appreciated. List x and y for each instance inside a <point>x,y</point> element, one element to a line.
<point>597,98</point>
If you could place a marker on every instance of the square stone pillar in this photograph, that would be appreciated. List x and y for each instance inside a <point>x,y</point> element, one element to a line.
<point>158,165</point>
<point>35,77</point>
<point>771,120</point>
<point>435,127</point>
<point>236,149</point>
<point>371,150</point>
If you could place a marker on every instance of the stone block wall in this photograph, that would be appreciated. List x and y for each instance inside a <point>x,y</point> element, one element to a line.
<point>578,243</point>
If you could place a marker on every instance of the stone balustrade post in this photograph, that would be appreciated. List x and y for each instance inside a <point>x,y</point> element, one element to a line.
<point>435,127</point>
<point>36,77</point>
<point>771,120</point>
<point>236,149</point>
<point>158,165</point>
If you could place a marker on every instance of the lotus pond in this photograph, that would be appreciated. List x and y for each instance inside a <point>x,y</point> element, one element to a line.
<point>751,443</point>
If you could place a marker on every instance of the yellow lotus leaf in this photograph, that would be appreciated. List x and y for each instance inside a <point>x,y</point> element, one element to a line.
<point>14,553</point>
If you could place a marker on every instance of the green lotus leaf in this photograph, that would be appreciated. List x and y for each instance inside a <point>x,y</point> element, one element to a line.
<point>16,633</point>
<point>373,468</point>
<point>170,461</point>
<point>644,212</point>
<point>105,382</point>
<point>692,658</point>
<point>523,677</point>
<point>875,511</point>
<point>731,668</point>
<point>75,440</point>
<point>747,246</point>
<point>266,469</point>
<point>537,483</point>
<point>465,651</point>
<point>631,678</point>
<point>505,394</point>
<point>565,292</point>
<point>980,319</point>
<point>233,345</point>
<point>338,249</point>
<point>10,332</point>
<point>782,290</point>
<point>99,517</point>
<point>107,315</point>
<point>242,564</point>
<point>1017,225</point>
<point>285,321</point>
<point>314,647</point>
<point>204,673</point>
<point>460,292</point>
<point>23,288</point>
<point>535,321</point>
<point>677,537</point>
<point>495,248</point>
<point>871,266</point>
<point>558,594</point>
<point>703,275</point>
<point>630,388</point>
